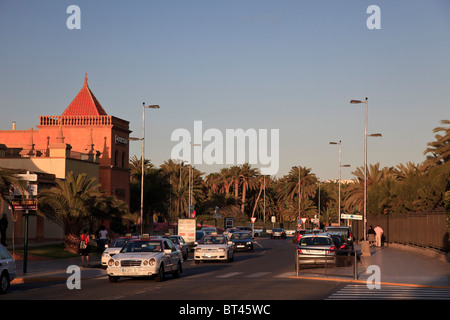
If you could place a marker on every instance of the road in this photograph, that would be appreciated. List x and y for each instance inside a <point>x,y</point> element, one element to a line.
<point>265,274</point>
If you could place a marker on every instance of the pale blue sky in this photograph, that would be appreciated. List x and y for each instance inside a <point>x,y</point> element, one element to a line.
<point>287,65</point>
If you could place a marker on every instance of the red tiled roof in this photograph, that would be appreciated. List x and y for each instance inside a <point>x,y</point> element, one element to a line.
<point>84,104</point>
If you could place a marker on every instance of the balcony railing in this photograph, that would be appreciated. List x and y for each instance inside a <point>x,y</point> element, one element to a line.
<point>83,121</point>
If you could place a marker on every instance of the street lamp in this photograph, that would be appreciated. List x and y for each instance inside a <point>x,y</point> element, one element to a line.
<point>365,161</point>
<point>155,106</point>
<point>191,178</point>
<point>340,166</point>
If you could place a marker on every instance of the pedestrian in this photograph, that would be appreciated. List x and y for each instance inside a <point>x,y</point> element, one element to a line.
<point>103,235</point>
<point>371,235</point>
<point>84,248</point>
<point>3,227</point>
<point>378,233</point>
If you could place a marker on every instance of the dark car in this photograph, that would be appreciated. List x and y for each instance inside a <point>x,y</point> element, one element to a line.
<point>183,246</point>
<point>341,243</point>
<point>278,233</point>
<point>347,231</point>
<point>242,241</point>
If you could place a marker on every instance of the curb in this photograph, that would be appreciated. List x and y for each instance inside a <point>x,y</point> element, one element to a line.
<point>37,279</point>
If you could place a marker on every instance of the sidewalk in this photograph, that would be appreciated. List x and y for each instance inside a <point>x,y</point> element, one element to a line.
<point>397,267</point>
<point>56,270</point>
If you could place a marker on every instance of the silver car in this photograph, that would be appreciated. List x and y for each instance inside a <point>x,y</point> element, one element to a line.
<point>7,269</point>
<point>316,249</point>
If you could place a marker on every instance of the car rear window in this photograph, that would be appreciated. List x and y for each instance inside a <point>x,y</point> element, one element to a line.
<point>315,241</point>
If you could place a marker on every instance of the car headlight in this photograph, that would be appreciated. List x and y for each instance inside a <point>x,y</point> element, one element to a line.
<point>221,249</point>
<point>198,250</point>
<point>145,263</point>
<point>111,262</point>
<point>249,242</point>
<point>116,263</point>
<point>152,261</point>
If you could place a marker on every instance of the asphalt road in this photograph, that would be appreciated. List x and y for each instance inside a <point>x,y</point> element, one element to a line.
<point>262,275</point>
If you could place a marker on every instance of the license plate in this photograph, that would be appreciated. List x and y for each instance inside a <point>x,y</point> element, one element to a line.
<point>240,246</point>
<point>129,270</point>
<point>315,251</point>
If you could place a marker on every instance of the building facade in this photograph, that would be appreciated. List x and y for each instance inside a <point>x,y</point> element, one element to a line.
<point>84,138</point>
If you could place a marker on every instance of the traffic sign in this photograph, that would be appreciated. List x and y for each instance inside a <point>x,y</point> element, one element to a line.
<point>304,220</point>
<point>351,216</point>
<point>253,219</point>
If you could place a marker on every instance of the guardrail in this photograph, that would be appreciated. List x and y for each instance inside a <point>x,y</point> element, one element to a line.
<point>332,260</point>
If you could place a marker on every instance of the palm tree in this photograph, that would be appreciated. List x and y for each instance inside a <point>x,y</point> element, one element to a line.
<point>8,179</point>
<point>247,176</point>
<point>73,204</point>
<point>439,149</point>
<point>136,168</point>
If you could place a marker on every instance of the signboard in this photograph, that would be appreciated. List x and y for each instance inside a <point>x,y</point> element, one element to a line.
<point>273,219</point>
<point>253,219</point>
<point>187,229</point>
<point>304,220</point>
<point>229,222</point>
<point>29,204</point>
<point>351,216</point>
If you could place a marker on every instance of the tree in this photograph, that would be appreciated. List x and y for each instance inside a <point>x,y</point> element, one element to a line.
<point>74,203</point>
<point>8,179</point>
<point>247,176</point>
<point>440,148</point>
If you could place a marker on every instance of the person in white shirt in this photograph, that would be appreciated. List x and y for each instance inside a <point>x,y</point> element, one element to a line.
<point>378,234</point>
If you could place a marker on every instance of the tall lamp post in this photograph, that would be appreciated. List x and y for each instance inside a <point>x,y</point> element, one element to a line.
<point>155,106</point>
<point>365,161</point>
<point>340,166</point>
<point>191,179</point>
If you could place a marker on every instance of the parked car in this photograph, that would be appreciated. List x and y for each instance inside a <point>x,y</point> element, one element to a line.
<point>278,233</point>
<point>214,247</point>
<point>242,241</point>
<point>347,231</point>
<point>182,245</point>
<point>7,269</point>
<point>316,249</point>
<point>340,242</point>
<point>154,256</point>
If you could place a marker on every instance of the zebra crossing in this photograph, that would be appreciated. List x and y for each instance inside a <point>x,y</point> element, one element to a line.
<point>362,292</point>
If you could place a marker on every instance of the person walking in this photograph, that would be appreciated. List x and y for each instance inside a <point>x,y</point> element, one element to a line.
<point>378,233</point>
<point>84,248</point>
<point>3,227</point>
<point>103,238</point>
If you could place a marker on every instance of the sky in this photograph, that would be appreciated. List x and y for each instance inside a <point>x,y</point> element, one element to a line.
<point>290,65</point>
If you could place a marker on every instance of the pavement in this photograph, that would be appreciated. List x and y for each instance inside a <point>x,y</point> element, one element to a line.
<point>397,266</point>
<point>392,265</point>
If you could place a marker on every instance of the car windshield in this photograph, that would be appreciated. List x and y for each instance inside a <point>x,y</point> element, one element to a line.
<point>315,241</point>
<point>174,240</point>
<point>240,236</point>
<point>277,230</point>
<point>119,243</point>
<point>142,246</point>
<point>212,240</point>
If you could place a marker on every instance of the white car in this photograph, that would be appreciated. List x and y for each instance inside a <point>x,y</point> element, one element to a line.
<point>214,247</point>
<point>146,257</point>
<point>7,269</point>
<point>114,248</point>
